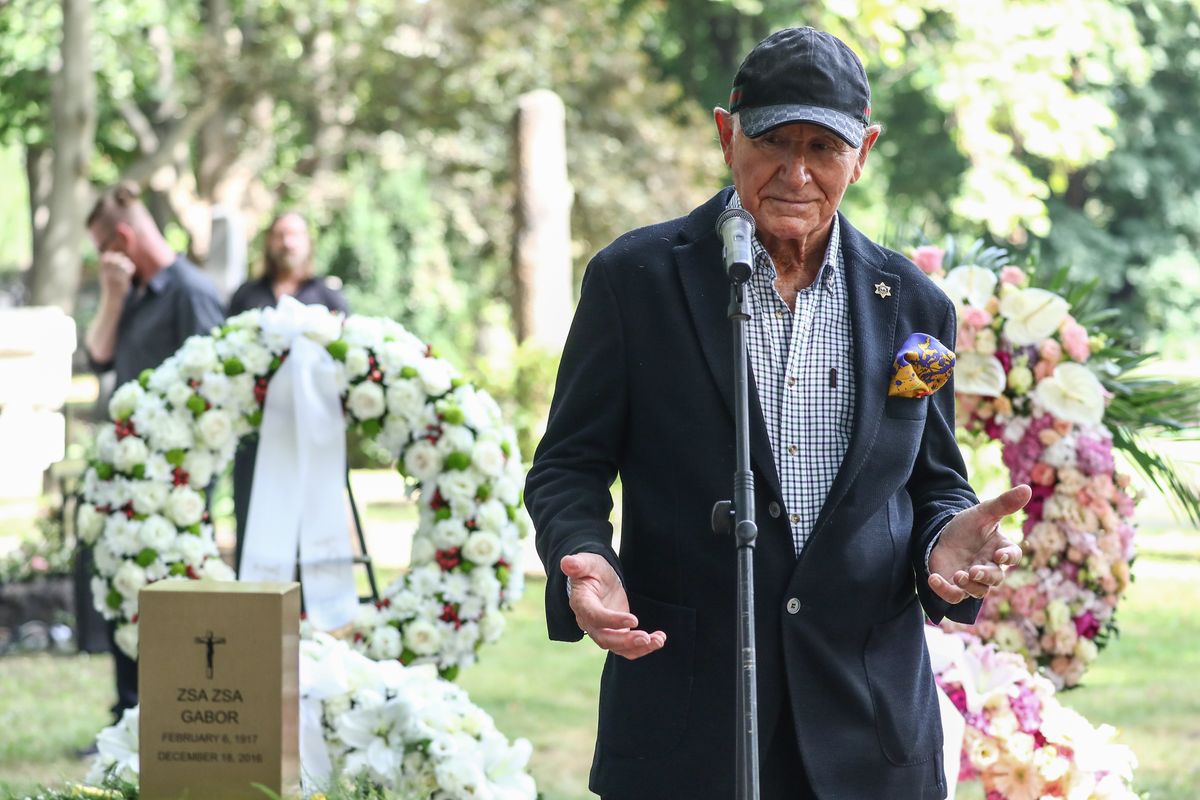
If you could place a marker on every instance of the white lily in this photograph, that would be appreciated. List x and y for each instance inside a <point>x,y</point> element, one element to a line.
<point>975,373</point>
<point>1032,315</point>
<point>1073,393</point>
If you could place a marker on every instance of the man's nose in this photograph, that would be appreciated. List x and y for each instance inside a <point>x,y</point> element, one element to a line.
<point>795,169</point>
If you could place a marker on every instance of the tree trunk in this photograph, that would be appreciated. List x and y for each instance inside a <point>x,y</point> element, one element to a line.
<point>56,269</point>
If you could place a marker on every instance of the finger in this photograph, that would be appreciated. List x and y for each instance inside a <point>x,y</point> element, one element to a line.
<point>1007,503</point>
<point>627,643</point>
<point>591,613</point>
<point>586,565</point>
<point>986,575</point>
<point>1008,554</point>
<point>945,589</point>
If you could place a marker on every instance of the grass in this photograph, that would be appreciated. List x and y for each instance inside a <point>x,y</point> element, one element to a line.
<point>50,706</point>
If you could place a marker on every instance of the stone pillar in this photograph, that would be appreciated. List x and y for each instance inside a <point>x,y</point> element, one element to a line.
<point>543,297</point>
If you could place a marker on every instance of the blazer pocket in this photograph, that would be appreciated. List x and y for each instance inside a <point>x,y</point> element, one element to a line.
<point>907,407</point>
<point>644,703</point>
<point>903,693</point>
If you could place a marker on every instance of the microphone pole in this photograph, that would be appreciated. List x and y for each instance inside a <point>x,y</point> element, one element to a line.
<point>736,229</point>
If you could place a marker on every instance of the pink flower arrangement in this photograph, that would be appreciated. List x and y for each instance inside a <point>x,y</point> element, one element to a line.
<point>1020,743</point>
<point>1020,381</point>
<point>929,258</point>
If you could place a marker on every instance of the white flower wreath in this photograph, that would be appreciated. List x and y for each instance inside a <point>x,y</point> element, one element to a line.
<point>143,497</point>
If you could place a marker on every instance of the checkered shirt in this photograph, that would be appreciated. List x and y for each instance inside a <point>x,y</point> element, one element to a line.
<point>802,363</point>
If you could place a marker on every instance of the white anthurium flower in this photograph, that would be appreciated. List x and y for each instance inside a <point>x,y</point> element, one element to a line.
<point>1032,315</point>
<point>975,373</point>
<point>970,284</point>
<point>117,750</point>
<point>1073,393</point>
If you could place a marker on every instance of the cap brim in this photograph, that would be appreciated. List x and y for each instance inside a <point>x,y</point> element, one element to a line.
<point>757,121</point>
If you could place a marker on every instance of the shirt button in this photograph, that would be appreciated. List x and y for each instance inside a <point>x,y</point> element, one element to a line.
<point>779,313</point>
<point>774,510</point>
<point>791,381</point>
<point>795,518</point>
<point>793,605</point>
<point>792,449</point>
<point>829,282</point>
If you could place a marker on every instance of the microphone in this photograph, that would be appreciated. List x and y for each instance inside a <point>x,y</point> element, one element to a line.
<point>735,226</point>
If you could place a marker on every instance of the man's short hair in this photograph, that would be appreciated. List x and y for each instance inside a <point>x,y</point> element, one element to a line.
<point>116,204</point>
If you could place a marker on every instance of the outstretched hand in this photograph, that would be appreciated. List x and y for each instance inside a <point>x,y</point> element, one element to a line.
<point>970,556</point>
<point>602,608</point>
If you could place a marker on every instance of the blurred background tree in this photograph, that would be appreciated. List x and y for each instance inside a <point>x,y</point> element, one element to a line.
<point>1061,126</point>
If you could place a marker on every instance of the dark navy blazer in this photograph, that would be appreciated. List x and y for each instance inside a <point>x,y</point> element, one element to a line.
<point>644,391</point>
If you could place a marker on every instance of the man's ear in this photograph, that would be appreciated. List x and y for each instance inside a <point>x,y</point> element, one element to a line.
<point>724,122</point>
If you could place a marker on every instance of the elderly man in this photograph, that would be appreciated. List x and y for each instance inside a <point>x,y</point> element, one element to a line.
<point>151,300</point>
<point>866,518</point>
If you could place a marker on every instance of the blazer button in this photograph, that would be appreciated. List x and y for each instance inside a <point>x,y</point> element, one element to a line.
<point>774,510</point>
<point>793,605</point>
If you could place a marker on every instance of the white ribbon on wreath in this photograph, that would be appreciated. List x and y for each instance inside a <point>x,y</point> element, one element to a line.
<point>297,506</point>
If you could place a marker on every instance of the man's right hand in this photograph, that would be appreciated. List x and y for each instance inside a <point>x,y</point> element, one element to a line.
<point>116,273</point>
<point>602,608</point>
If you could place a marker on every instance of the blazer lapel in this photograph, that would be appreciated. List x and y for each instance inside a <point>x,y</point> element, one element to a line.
<point>873,322</point>
<point>706,288</point>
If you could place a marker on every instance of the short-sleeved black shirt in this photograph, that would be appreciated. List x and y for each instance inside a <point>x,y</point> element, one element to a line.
<point>178,302</point>
<point>259,293</point>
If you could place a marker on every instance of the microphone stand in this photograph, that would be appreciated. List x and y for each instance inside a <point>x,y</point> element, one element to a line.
<point>738,517</point>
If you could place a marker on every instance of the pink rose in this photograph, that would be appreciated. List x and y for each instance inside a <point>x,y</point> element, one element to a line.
<point>976,317</point>
<point>929,258</point>
<point>1050,350</point>
<point>1043,474</point>
<point>1013,275</point>
<point>1075,340</point>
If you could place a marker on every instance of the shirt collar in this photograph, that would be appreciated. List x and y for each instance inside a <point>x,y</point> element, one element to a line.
<point>828,269</point>
<point>164,277</point>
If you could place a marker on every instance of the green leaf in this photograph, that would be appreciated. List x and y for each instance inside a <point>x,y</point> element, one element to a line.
<point>114,599</point>
<point>196,405</point>
<point>338,349</point>
<point>234,366</point>
<point>175,457</point>
<point>146,557</point>
<point>458,460</point>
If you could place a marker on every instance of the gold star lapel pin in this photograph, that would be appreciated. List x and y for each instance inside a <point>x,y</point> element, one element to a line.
<point>883,290</point>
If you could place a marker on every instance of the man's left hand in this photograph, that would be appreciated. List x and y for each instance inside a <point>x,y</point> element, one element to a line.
<point>970,556</point>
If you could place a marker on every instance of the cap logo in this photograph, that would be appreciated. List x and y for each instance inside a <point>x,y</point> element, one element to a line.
<point>735,96</point>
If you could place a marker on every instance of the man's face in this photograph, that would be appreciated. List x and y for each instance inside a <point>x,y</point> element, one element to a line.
<point>289,244</point>
<point>792,178</point>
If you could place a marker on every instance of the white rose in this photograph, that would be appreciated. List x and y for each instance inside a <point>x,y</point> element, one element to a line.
<point>215,569</point>
<point>125,400</point>
<point>970,284</point>
<point>385,643</point>
<point>256,359</point>
<point>128,579</point>
<point>456,439</point>
<point>106,444</point>
<point>357,362</point>
<point>488,458</point>
<point>126,638</point>
<point>506,490</point>
<point>1072,393</point>
<point>157,468</point>
<point>492,516</point>
<point>406,399</point>
<point>395,356</point>
<point>199,466</point>
<point>178,395</point>
<point>174,432</point>
<point>190,549</point>
<point>241,393</point>
<point>485,584</point>
<point>423,551</point>
<point>158,533</point>
<point>216,428</point>
<point>435,376</point>
<point>366,400</point>
<point>1032,315</point>
<point>123,534</point>
<point>197,356</point>
<point>215,388</point>
<point>422,637</point>
<point>482,548</point>
<point>106,560</point>
<point>979,374</point>
<point>422,460</point>
<point>459,488</point>
<point>89,522</point>
<point>448,533</point>
<point>185,506</point>
<point>491,626</point>
<point>148,496</point>
<point>130,452</point>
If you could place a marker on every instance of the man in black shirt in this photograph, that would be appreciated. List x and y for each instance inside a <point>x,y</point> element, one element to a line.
<point>151,300</point>
<point>288,269</point>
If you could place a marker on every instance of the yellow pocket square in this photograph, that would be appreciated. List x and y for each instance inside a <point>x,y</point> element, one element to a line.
<point>922,366</point>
